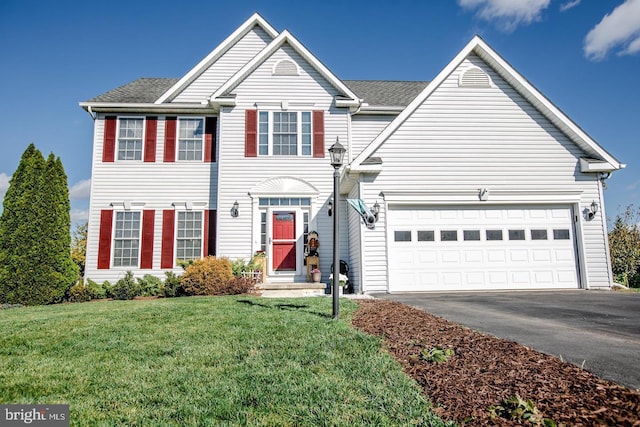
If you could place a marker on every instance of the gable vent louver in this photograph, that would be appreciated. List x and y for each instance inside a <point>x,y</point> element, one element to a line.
<point>285,67</point>
<point>474,77</point>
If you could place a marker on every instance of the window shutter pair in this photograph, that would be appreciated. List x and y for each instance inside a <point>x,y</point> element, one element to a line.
<point>105,239</point>
<point>210,125</point>
<point>109,146</point>
<point>167,259</point>
<point>148,230</point>
<point>251,134</point>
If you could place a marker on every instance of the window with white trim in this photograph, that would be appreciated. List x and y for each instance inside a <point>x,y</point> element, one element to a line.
<point>126,242</point>
<point>190,138</point>
<point>130,138</point>
<point>189,235</point>
<point>284,133</point>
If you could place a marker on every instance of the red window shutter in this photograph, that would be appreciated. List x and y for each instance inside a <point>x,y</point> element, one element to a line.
<point>104,242</point>
<point>151,132</point>
<point>210,232</point>
<point>146,252</point>
<point>168,226</point>
<point>251,133</point>
<point>170,139</point>
<point>318,134</point>
<point>210,139</point>
<point>109,146</point>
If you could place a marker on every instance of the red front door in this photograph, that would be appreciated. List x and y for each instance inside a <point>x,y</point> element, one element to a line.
<point>284,241</point>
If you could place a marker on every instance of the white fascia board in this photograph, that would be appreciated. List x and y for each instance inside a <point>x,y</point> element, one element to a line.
<point>284,37</point>
<point>254,20</point>
<point>546,107</point>
<point>470,197</point>
<point>595,165</point>
<point>138,107</point>
<point>413,105</point>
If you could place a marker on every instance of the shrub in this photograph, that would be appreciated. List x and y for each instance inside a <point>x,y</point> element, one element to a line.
<point>150,286</point>
<point>207,276</point>
<point>172,287</point>
<point>239,266</point>
<point>437,354</point>
<point>239,285</point>
<point>108,289</point>
<point>96,290</point>
<point>79,293</point>
<point>126,288</point>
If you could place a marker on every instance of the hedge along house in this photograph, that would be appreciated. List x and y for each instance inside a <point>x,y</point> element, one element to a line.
<point>481,182</point>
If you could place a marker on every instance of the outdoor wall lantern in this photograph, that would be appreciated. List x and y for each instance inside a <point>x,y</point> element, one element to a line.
<point>330,208</point>
<point>234,209</point>
<point>593,210</point>
<point>376,210</point>
<point>337,157</point>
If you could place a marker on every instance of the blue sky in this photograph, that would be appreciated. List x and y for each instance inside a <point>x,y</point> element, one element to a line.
<point>583,55</point>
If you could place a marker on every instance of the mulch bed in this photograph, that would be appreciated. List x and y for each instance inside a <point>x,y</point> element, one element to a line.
<point>485,370</point>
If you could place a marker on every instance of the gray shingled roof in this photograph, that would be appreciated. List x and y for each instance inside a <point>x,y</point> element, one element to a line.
<point>374,92</point>
<point>144,90</point>
<point>386,92</point>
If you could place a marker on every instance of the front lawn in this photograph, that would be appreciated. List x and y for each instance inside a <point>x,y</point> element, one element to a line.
<point>205,361</point>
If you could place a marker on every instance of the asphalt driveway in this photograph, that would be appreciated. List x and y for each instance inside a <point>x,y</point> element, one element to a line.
<point>595,329</point>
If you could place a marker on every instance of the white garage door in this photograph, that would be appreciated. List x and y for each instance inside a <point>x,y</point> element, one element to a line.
<point>478,249</point>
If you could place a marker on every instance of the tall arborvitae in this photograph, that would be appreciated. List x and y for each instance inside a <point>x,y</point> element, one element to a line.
<point>35,260</point>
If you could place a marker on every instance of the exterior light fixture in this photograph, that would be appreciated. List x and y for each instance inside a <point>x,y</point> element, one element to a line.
<point>593,210</point>
<point>337,157</point>
<point>376,210</point>
<point>330,208</point>
<point>234,209</point>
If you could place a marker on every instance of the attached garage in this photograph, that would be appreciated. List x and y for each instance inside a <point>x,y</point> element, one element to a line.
<point>471,248</point>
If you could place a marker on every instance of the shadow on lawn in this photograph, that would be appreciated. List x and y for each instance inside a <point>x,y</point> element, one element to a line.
<point>285,306</point>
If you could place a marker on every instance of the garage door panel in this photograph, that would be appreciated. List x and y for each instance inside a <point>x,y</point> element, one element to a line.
<point>518,248</point>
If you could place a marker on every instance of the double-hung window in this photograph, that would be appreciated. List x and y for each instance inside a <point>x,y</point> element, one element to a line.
<point>130,137</point>
<point>189,236</point>
<point>126,243</point>
<point>284,133</point>
<point>190,138</point>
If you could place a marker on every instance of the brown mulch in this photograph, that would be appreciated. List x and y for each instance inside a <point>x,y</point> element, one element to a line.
<point>485,370</point>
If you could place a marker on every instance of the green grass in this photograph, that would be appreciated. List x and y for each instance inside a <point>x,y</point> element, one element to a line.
<point>205,361</point>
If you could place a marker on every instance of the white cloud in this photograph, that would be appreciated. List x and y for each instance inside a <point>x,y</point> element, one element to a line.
<point>507,13</point>
<point>79,215</point>
<point>80,190</point>
<point>568,5</point>
<point>4,184</point>
<point>619,29</point>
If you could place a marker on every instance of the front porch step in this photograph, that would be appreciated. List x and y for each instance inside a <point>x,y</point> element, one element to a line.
<point>292,289</point>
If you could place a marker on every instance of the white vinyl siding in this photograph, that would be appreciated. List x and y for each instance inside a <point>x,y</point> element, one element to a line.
<point>225,67</point>
<point>463,139</point>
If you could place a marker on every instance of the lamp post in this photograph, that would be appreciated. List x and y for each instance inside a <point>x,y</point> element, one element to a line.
<point>337,156</point>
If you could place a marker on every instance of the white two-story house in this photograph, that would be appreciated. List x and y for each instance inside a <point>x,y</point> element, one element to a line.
<point>481,181</point>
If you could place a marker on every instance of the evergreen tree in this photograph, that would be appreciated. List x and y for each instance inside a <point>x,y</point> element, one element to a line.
<point>35,258</point>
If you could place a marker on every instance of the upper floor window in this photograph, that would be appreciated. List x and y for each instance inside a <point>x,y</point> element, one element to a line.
<point>190,138</point>
<point>130,137</point>
<point>126,242</point>
<point>284,133</point>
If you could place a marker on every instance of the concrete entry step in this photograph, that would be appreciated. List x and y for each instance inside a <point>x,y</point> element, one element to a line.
<point>291,286</point>
<point>291,290</point>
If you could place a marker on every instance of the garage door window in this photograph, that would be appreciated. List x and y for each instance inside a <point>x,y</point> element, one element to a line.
<point>426,236</point>
<point>471,234</point>
<point>448,235</point>
<point>561,234</point>
<point>516,234</point>
<point>494,234</point>
<point>402,236</point>
<point>538,234</point>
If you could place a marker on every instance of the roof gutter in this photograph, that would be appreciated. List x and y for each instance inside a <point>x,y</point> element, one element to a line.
<point>93,107</point>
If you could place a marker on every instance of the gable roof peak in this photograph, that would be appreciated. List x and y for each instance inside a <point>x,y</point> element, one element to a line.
<point>254,20</point>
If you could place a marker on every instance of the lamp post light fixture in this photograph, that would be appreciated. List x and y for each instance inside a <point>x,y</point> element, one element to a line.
<point>337,157</point>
